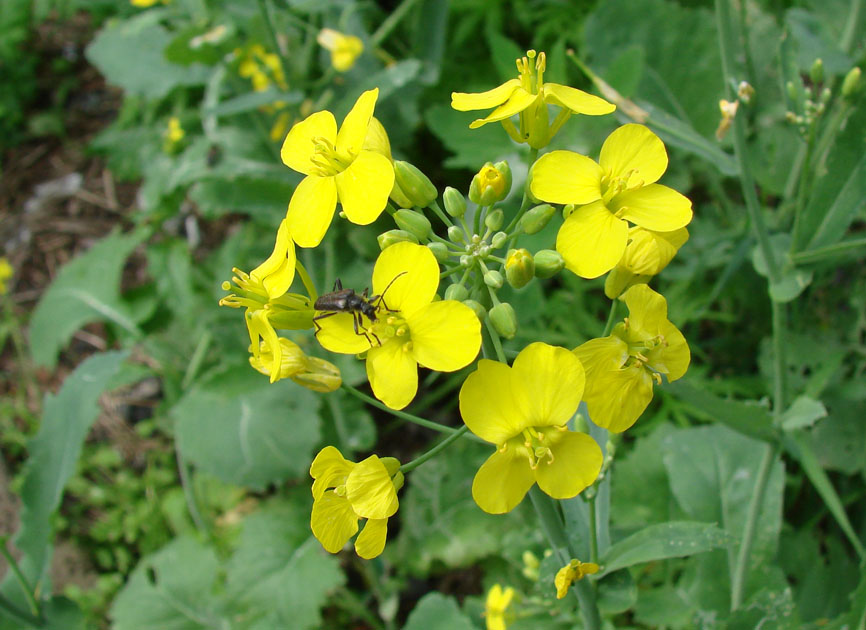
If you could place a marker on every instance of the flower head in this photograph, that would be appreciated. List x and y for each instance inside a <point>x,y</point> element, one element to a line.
<point>646,255</point>
<point>529,97</point>
<point>345,49</point>
<point>262,68</point>
<point>410,328</point>
<point>621,368</point>
<point>619,189</point>
<point>6,272</point>
<point>570,573</point>
<point>496,607</point>
<point>344,492</point>
<point>523,410</point>
<point>337,168</point>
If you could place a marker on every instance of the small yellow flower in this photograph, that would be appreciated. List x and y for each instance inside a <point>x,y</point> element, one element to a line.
<point>646,255</point>
<point>570,573</point>
<point>345,49</point>
<point>621,368</point>
<point>262,68</point>
<point>529,97</point>
<point>146,3</point>
<point>337,167</point>
<point>344,492</point>
<point>619,188</point>
<point>496,607</point>
<point>174,133</point>
<point>310,372</point>
<point>6,272</point>
<point>410,330</point>
<point>523,410</point>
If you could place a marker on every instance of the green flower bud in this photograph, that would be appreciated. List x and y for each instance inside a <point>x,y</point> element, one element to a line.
<point>548,263</point>
<point>851,83</point>
<point>537,218</point>
<point>494,219</point>
<point>399,197</point>
<point>455,202</point>
<point>456,292</point>
<point>493,279</point>
<point>504,320</point>
<point>413,222</point>
<point>793,92</point>
<point>519,268</point>
<point>415,184</point>
<point>455,235</point>
<point>816,72</point>
<point>580,424</point>
<point>498,240</point>
<point>440,251</point>
<point>386,239</point>
<point>491,184</point>
<point>480,311</point>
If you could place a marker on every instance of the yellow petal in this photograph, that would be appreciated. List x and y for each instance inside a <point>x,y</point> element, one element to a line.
<point>393,373</point>
<point>363,188</point>
<point>278,271</point>
<point>634,151</point>
<point>333,522</point>
<point>519,100</point>
<point>337,334</point>
<point>446,335</point>
<point>599,356</point>
<point>576,463</point>
<point>653,207</point>
<point>259,325</point>
<point>577,101</point>
<point>648,252</point>
<point>617,398</point>
<point>329,469</point>
<point>371,541</point>
<point>311,209</point>
<point>671,359</point>
<point>353,131</point>
<point>298,146</point>
<point>554,379</point>
<point>370,490</point>
<point>410,274</point>
<point>592,240</point>
<point>493,405</point>
<point>647,311</point>
<point>502,481</point>
<point>566,177</point>
<point>377,139</point>
<point>464,102</point>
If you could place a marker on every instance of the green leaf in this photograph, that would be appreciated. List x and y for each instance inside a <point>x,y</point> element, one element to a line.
<point>84,291</point>
<point>472,147</point>
<point>802,413</point>
<point>503,53</point>
<point>768,610</point>
<point>259,197</point>
<point>847,204</point>
<point>793,281</point>
<point>746,417</point>
<point>617,593</point>
<point>664,606</point>
<point>253,100</point>
<point>246,431</point>
<point>437,612</point>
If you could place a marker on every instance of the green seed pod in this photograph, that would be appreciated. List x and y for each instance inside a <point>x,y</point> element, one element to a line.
<point>493,279</point>
<point>414,223</point>
<point>415,184</point>
<point>519,268</point>
<point>851,83</point>
<point>455,202</point>
<point>456,292</point>
<point>455,235</point>
<point>816,72</point>
<point>537,218</point>
<point>504,320</point>
<point>440,251</point>
<point>386,239</point>
<point>548,263</point>
<point>498,240</point>
<point>494,219</point>
<point>480,311</point>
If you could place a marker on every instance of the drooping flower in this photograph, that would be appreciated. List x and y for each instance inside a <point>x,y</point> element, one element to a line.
<point>524,410</point>
<point>337,168</point>
<point>621,368</point>
<point>570,573</point>
<point>345,49</point>
<point>410,328</point>
<point>646,255</point>
<point>496,606</point>
<point>345,492</point>
<point>529,97</point>
<point>310,372</point>
<point>619,189</point>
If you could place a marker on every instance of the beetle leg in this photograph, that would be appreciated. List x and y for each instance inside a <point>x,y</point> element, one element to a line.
<point>321,316</point>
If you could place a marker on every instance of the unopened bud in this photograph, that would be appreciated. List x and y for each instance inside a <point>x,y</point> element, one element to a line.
<point>399,197</point>
<point>455,202</point>
<point>415,184</point>
<point>493,279</point>
<point>851,83</point>
<point>494,219</point>
<point>455,235</point>
<point>580,424</point>
<point>745,92</point>
<point>793,92</point>
<point>504,320</point>
<point>498,240</point>
<point>386,239</point>
<point>491,184</point>
<point>479,310</point>
<point>456,292</point>
<point>816,72</point>
<point>440,251</point>
<point>537,218</point>
<point>413,222</point>
<point>519,268</point>
<point>548,263</point>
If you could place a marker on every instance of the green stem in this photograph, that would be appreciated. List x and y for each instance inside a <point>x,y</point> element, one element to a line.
<point>593,530</point>
<point>307,281</point>
<point>611,318</point>
<point>497,344</point>
<point>198,356</point>
<point>433,451</point>
<point>272,35</point>
<point>450,272</point>
<point>440,213</point>
<point>851,25</point>
<point>526,201</point>
<point>803,184</point>
<point>189,493</point>
<point>391,22</point>
<point>13,610</point>
<point>22,582</point>
<point>780,364</point>
<point>340,425</point>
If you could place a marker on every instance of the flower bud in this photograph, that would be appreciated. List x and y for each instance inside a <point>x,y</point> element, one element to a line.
<point>399,197</point>
<point>413,222</point>
<point>455,234</point>
<point>504,320</point>
<point>455,202</point>
<point>480,311</point>
<point>548,263</point>
<point>493,279</point>
<point>537,218</point>
<point>311,372</point>
<point>494,219</point>
<point>320,376</point>
<point>386,239</point>
<point>415,184</point>
<point>745,92</point>
<point>816,72</point>
<point>498,240</point>
<point>456,292</point>
<point>851,83</point>
<point>793,92</point>
<point>580,424</point>
<point>519,268</point>
<point>440,251</point>
<point>491,184</point>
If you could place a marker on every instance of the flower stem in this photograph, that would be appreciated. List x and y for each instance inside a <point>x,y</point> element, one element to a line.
<point>611,318</point>
<point>435,450</point>
<point>440,213</point>
<point>526,201</point>
<point>497,344</point>
<point>593,530</point>
<point>22,582</point>
<point>391,22</point>
<point>308,282</point>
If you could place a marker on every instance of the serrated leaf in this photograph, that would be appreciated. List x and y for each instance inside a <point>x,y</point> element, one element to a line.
<point>675,539</point>
<point>437,612</point>
<point>85,290</point>
<point>803,412</point>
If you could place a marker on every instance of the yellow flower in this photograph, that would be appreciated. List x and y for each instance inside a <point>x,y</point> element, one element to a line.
<point>646,255</point>
<point>619,188</point>
<point>262,68</point>
<point>529,97</point>
<point>174,133</point>
<point>344,492</point>
<point>345,49</point>
<point>310,372</point>
<point>337,167</point>
<point>523,410</point>
<point>570,573</point>
<point>410,328</point>
<point>496,607</point>
<point>621,368</point>
<point>146,3</point>
<point>6,272</point>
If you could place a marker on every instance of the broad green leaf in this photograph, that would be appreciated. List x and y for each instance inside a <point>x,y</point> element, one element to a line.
<point>59,613</point>
<point>503,53</point>
<point>769,610</point>
<point>85,290</point>
<point>675,539</point>
<point>792,281</point>
<point>472,147</point>
<point>845,208</point>
<point>665,606</point>
<point>839,440</point>
<point>803,412</point>
<point>253,100</point>
<point>813,39</point>
<point>246,431</point>
<point>746,417</point>
<point>429,41</point>
<point>617,593</point>
<point>437,612</point>
<point>259,197</point>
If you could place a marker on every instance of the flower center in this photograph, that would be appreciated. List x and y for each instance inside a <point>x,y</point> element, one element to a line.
<point>612,186</point>
<point>531,74</point>
<point>327,160</point>
<point>535,444</point>
<point>390,324</point>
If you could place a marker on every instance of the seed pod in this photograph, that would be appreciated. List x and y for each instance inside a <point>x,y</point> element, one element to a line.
<point>415,184</point>
<point>386,239</point>
<point>440,251</point>
<point>494,219</point>
<point>548,263</point>
<point>504,320</point>
<point>493,279</point>
<point>455,202</point>
<point>479,310</point>
<point>456,292</point>
<point>851,83</point>
<point>537,218</point>
<point>413,222</point>
<point>519,268</point>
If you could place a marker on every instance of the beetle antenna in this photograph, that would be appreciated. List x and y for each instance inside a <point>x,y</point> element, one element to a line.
<point>381,298</point>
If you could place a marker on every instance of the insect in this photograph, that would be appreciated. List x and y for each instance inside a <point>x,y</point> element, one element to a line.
<point>342,300</point>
